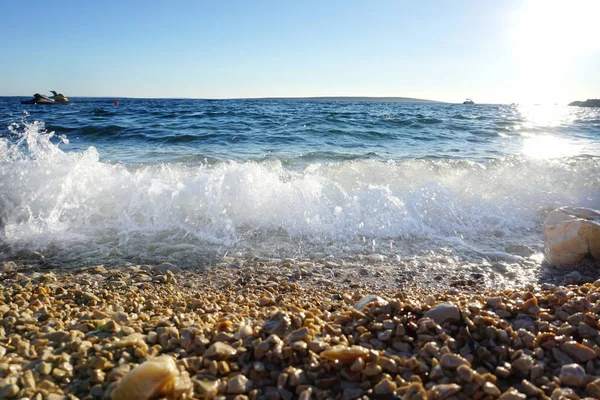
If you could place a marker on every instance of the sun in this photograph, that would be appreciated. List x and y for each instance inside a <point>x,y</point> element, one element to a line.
<point>547,35</point>
<point>551,28</point>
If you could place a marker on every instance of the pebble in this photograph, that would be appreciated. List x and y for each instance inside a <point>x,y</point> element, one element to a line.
<point>443,313</point>
<point>523,364</point>
<point>220,351</point>
<point>572,375</point>
<point>385,386</point>
<point>465,373</point>
<point>147,380</point>
<point>453,361</point>
<point>238,385</point>
<point>362,303</point>
<point>491,389</point>
<point>345,354</point>
<point>578,352</point>
<point>9,391</point>
<point>593,388</point>
<point>445,390</point>
<point>512,394</point>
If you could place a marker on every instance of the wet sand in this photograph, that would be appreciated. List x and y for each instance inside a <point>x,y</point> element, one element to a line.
<point>284,330</point>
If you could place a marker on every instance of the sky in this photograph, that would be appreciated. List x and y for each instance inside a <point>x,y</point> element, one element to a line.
<point>493,51</point>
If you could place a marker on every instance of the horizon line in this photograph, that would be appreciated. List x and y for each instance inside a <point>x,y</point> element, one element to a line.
<point>396,99</point>
<point>333,98</point>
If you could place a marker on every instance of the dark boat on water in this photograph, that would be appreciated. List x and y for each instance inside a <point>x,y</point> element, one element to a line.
<point>56,98</point>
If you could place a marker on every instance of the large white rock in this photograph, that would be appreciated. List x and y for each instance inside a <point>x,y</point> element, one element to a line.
<point>570,234</point>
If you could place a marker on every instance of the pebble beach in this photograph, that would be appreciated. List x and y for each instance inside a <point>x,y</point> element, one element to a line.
<point>257,330</point>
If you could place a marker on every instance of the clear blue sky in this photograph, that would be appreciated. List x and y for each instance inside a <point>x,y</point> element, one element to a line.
<point>489,50</point>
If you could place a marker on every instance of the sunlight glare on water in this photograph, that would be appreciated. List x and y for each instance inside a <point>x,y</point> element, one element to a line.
<point>547,115</point>
<point>544,137</point>
<point>545,147</point>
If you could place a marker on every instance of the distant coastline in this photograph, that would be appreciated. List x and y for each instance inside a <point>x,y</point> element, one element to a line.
<point>351,98</point>
<point>587,103</point>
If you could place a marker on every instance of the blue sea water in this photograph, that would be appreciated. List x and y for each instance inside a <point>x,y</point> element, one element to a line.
<point>190,181</point>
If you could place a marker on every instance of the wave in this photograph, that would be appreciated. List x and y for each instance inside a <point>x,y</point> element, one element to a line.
<point>71,204</point>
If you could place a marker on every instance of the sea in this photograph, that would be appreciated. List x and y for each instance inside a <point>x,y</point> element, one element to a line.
<point>190,181</point>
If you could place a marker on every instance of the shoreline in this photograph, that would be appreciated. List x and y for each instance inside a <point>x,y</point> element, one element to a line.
<point>245,335</point>
<point>432,273</point>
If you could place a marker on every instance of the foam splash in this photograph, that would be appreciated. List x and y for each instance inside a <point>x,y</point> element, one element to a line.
<point>72,206</point>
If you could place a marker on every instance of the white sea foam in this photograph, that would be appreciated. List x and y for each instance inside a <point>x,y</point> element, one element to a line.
<point>72,206</point>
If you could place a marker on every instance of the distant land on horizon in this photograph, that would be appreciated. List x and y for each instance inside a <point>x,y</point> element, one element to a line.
<point>351,98</point>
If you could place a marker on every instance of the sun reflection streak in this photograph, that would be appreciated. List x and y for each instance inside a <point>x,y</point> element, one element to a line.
<point>547,115</point>
<point>542,131</point>
<point>547,147</point>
